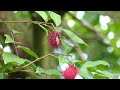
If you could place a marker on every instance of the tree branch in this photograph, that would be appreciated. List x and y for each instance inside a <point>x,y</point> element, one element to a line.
<point>24,22</point>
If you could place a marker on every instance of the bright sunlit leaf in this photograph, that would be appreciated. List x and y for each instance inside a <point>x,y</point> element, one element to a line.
<point>15,32</point>
<point>40,70</point>
<point>9,57</point>
<point>52,72</point>
<point>43,15</point>
<point>8,39</point>
<point>56,18</point>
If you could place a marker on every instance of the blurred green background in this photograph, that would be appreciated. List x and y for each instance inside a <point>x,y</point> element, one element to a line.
<point>99,29</point>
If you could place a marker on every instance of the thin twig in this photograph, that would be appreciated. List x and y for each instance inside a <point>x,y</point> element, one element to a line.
<point>53,56</point>
<point>18,69</point>
<point>62,54</point>
<point>53,26</point>
<point>50,54</point>
<point>25,22</point>
<point>14,43</point>
<point>31,63</point>
<point>36,60</point>
<point>35,22</point>
<point>21,71</point>
<point>49,26</point>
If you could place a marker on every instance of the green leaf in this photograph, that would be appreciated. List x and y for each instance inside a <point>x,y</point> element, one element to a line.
<point>2,75</point>
<point>74,37</point>
<point>107,74</point>
<point>40,70</point>
<point>85,73</point>
<point>84,68</point>
<point>95,63</point>
<point>56,18</point>
<point>33,66</point>
<point>62,60</point>
<point>43,15</point>
<point>99,76</point>
<point>52,72</point>
<point>48,14</point>
<point>99,67</point>
<point>78,63</point>
<point>10,66</point>
<point>9,57</point>
<point>44,28</point>
<point>8,39</point>
<point>27,50</point>
<point>91,69</point>
<point>15,32</point>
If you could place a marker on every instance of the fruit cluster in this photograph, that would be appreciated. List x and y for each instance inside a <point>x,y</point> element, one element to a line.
<point>67,71</point>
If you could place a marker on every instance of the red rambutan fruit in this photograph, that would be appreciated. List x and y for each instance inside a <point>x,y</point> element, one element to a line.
<point>70,72</point>
<point>54,39</point>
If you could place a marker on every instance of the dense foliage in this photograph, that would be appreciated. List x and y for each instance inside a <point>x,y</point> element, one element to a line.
<point>81,45</point>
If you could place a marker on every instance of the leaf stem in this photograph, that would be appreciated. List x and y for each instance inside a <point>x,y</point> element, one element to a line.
<point>14,43</point>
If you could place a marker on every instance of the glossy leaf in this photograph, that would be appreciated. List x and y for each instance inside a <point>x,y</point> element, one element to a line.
<point>99,76</point>
<point>43,15</point>
<point>40,70</point>
<point>84,69</point>
<point>15,32</point>
<point>9,57</point>
<point>91,69</point>
<point>56,18</point>
<point>95,63</point>
<point>33,66</point>
<point>27,50</point>
<point>8,39</point>
<point>74,37</point>
<point>107,74</point>
<point>52,72</point>
<point>85,73</point>
<point>48,14</point>
<point>78,63</point>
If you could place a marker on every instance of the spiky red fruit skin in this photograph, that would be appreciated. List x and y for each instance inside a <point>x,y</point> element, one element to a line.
<point>54,39</point>
<point>70,72</point>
